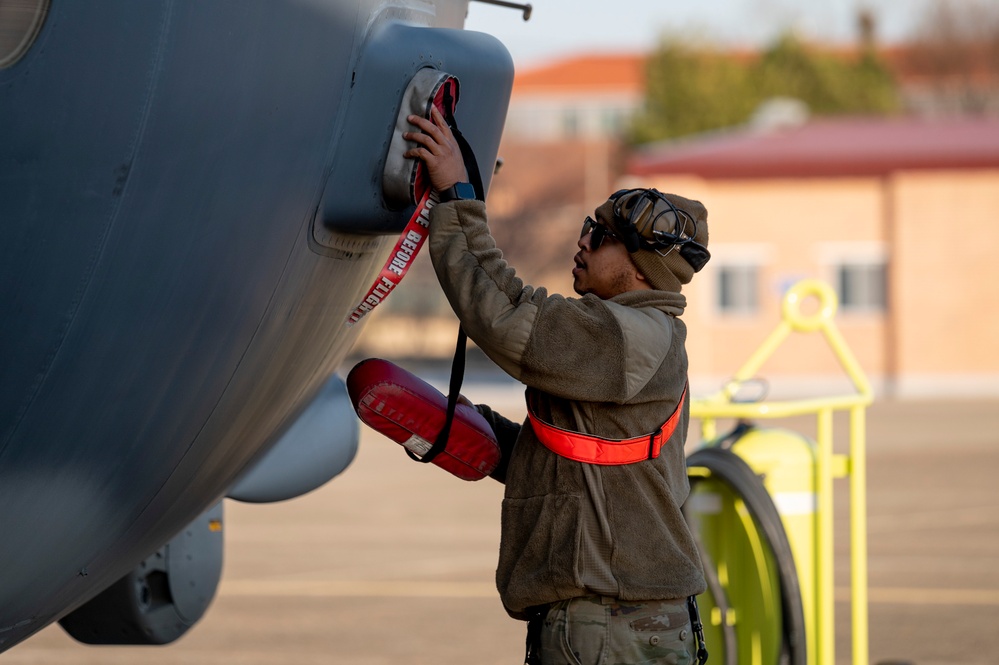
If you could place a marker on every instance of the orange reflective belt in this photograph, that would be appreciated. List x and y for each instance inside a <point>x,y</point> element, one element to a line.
<point>597,450</point>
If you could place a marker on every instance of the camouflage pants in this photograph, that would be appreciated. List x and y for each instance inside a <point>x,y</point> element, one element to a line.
<point>596,630</point>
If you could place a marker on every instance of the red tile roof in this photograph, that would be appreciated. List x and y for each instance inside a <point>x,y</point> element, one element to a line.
<point>830,147</point>
<point>622,72</point>
<point>626,71</point>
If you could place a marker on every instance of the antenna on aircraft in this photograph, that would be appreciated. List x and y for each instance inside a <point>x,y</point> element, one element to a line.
<point>527,9</point>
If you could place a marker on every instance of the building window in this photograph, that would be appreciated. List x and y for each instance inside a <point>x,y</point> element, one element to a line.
<point>738,289</point>
<point>859,273</point>
<point>570,123</point>
<point>612,122</point>
<point>862,286</point>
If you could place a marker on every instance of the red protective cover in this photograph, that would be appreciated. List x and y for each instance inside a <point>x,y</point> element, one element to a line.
<point>402,406</point>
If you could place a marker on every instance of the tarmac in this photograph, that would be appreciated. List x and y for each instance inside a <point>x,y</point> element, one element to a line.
<point>393,561</point>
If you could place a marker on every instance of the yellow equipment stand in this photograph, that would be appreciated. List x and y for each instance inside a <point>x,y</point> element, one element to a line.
<point>816,581</point>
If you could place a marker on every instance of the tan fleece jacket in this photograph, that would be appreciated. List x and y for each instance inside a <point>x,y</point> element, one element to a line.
<point>612,368</point>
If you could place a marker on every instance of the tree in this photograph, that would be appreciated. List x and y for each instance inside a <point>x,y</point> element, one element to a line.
<point>695,89</point>
<point>955,51</point>
<point>691,89</point>
<point>827,81</point>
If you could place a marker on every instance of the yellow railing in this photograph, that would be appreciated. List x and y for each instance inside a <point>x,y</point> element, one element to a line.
<point>829,465</point>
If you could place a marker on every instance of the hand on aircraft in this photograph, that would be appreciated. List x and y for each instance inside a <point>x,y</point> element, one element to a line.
<point>438,149</point>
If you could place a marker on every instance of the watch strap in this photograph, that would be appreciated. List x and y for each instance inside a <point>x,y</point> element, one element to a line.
<point>459,191</point>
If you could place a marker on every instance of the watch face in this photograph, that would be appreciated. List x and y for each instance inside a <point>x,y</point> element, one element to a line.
<point>464,191</point>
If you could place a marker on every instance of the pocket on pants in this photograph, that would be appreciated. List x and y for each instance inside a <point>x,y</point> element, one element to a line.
<point>657,632</point>
<point>575,633</point>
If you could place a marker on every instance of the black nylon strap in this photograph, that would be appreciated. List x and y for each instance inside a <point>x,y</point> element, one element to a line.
<point>467,154</point>
<point>698,629</point>
<point>458,363</point>
<point>454,390</point>
<point>470,164</point>
<point>535,623</point>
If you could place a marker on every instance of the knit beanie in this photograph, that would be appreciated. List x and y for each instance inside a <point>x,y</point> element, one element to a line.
<point>664,273</point>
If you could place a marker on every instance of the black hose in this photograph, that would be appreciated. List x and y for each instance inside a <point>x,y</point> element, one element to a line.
<point>732,470</point>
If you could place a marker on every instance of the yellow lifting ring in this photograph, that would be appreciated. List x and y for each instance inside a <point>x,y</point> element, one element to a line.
<point>797,294</point>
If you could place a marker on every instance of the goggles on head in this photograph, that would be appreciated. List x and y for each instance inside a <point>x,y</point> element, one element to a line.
<point>660,232</point>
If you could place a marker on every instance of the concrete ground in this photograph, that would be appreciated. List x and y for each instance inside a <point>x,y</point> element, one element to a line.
<point>393,562</point>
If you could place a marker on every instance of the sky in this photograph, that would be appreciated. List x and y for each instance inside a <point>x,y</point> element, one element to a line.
<point>563,27</point>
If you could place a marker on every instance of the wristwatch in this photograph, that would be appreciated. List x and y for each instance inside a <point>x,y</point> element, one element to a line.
<point>459,191</point>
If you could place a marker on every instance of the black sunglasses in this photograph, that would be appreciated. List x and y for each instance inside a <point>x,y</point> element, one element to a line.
<point>599,232</point>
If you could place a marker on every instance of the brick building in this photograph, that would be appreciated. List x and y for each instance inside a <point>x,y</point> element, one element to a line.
<point>898,215</point>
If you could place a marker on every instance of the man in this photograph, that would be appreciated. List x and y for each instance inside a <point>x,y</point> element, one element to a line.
<point>594,548</point>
